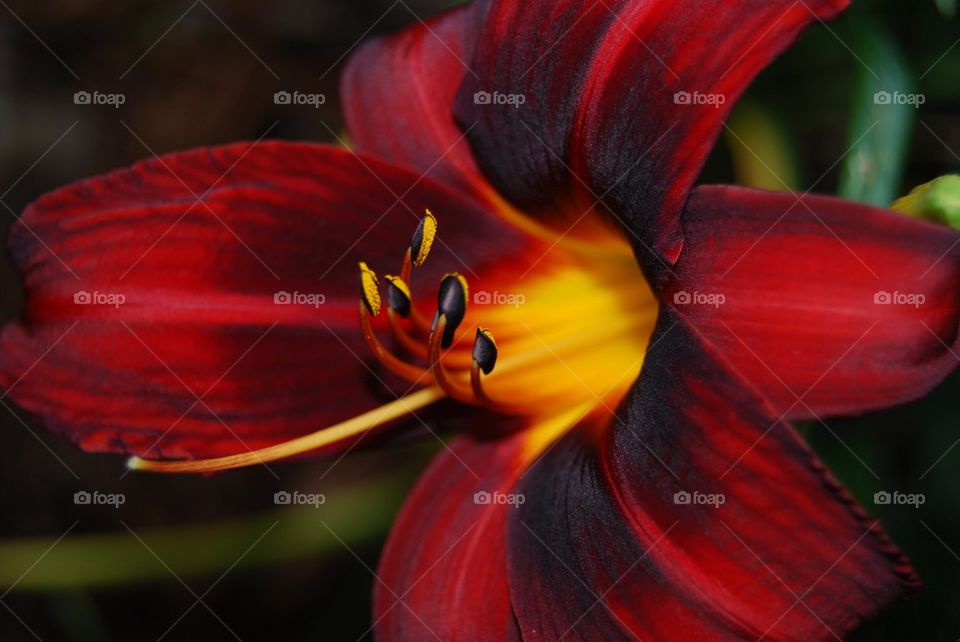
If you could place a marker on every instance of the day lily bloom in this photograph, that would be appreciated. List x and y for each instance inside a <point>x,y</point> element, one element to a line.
<point>620,352</point>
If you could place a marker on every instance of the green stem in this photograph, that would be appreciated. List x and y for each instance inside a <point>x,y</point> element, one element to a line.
<point>357,515</point>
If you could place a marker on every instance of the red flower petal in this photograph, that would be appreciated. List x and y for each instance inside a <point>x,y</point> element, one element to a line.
<point>199,279</point>
<point>599,81</point>
<point>397,94</point>
<point>443,571</point>
<point>604,549</point>
<point>799,280</point>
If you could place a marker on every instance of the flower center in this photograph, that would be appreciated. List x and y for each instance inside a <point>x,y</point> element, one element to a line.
<point>564,339</point>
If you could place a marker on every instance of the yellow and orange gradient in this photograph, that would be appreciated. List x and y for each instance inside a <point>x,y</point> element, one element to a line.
<point>569,340</point>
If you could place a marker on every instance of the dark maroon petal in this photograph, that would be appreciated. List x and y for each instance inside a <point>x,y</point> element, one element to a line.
<point>397,94</point>
<point>443,571</point>
<point>599,80</point>
<point>199,280</point>
<point>828,307</point>
<point>604,547</point>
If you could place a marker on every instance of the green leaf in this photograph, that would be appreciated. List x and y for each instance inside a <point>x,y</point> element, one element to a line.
<point>884,110</point>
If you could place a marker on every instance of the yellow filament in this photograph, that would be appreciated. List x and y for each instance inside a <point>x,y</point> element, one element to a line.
<point>324,437</point>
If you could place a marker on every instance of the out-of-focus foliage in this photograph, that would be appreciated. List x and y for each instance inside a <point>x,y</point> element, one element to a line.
<point>880,123</point>
<point>108,559</point>
<point>759,148</point>
<point>938,200</point>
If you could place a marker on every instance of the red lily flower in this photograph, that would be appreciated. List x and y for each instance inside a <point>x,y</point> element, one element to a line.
<point>625,469</point>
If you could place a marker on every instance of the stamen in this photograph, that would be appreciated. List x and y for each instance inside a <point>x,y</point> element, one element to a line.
<point>477,385</point>
<point>398,295</point>
<point>370,305</point>
<point>415,256</point>
<point>399,302</point>
<point>369,289</point>
<point>452,388</point>
<point>406,269</point>
<point>423,239</point>
<point>324,437</point>
<point>408,371</point>
<point>461,393</point>
<point>484,359</point>
<point>451,304</point>
<point>485,350</point>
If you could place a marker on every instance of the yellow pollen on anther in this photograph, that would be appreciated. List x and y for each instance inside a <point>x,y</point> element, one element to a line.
<point>369,289</point>
<point>398,283</point>
<point>423,239</point>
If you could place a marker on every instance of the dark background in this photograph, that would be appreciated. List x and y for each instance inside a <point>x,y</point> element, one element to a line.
<point>205,73</point>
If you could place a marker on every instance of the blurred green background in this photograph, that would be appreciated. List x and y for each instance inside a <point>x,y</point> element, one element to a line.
<point>204,73</point>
